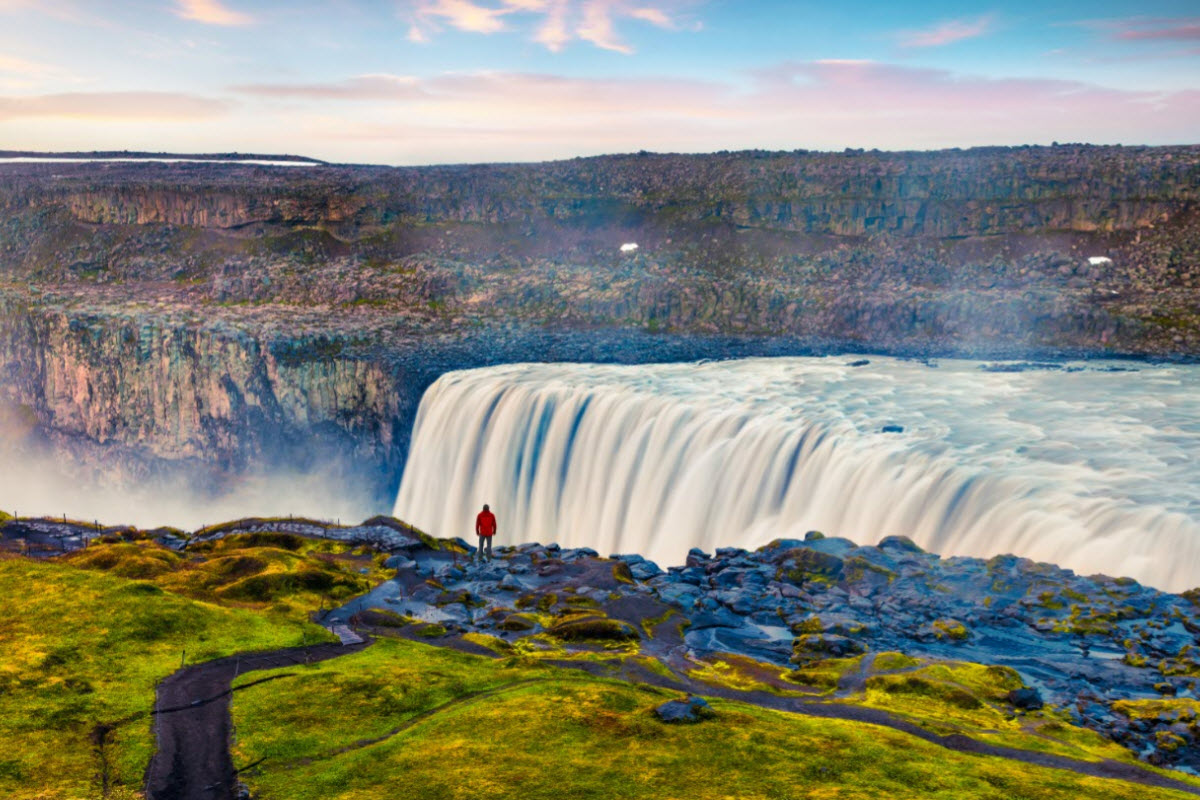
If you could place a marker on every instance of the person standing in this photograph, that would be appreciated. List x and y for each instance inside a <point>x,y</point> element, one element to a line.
<point>485,529</point>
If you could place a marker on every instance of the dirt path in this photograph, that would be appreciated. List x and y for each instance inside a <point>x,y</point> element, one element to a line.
<point>1131,773</point>
<point>193,761</point>
<point>193,726</point>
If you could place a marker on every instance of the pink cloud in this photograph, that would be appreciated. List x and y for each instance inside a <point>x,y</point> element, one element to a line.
<point>1185,30</point>
<point>153,106</point>
<point>554,31</point>
<point>947,32</point>
<point>465,15</point>
<point>361,87</point>
<point>211,12</point>
<point>829,104</point>
<point>555,22</point>
<point>21,66</point>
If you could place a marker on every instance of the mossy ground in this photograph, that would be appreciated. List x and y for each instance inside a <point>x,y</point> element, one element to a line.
<point>460,726</point>
<point>281,574</point>
<point>83,649</point>
<point>90,647</point>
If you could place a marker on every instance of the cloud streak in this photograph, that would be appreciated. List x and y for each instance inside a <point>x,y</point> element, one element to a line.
<point>150,106</point>
<point>211,12</point>
<point>948,32</point>
<point>1157,30</point>
<point>358,88</point>
<point>552,23</point>
<point>828,104</point>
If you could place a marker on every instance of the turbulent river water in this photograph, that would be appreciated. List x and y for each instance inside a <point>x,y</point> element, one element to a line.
<point>1091,466</point>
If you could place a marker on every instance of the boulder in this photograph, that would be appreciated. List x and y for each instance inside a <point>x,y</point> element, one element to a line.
<point>511,582</point>
<point>812,646</point>
<point>1026,698</point>
<point>644,570</point>
<point>901,544</point>
<point>717,618</point>
<point>400,562</point>
<point>692,709</point>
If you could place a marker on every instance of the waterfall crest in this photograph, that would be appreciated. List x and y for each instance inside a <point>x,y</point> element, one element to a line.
<point>1089,468</point>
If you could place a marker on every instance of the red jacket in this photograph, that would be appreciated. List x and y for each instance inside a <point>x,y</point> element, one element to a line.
<point>485,524</point>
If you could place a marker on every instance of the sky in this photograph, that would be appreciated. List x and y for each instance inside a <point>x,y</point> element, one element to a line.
<point>453,81</point>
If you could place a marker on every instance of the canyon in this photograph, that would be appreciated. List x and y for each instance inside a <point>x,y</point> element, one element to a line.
<point>199,324</point>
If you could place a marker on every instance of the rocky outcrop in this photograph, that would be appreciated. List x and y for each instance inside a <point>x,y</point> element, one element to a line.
<point>1106,653</point>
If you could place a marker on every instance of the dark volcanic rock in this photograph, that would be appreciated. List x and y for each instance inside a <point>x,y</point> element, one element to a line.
<point>1080,644</point>
<point>1027,698</point>
<point>693,709</point>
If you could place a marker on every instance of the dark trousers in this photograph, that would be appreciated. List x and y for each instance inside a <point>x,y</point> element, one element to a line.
<point>485,544</point>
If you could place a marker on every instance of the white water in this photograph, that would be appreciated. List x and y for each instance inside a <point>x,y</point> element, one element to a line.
<point>1090,469</point>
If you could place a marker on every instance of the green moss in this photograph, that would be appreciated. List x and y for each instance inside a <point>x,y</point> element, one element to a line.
<point>891,661</point>
<point>811,625</point>
<point>738,672</point>
<point>650,624</point>
<point>246,569</point>
<point>382,618</point>
<point>519,622</point>
<point>493,643</point>
<point>431,631</point>
<point>84,648</point>
<point>594,628</point>
<point>856,568</point>
<point>560,734</point>
<point>951,629</point>
<point>824,674</point>
<point>621,572</point>
<point>1169,741</point>
<point>805,565</point>
<point>917,685</point>
<point>1177,708</point>
<point>1050,600</point>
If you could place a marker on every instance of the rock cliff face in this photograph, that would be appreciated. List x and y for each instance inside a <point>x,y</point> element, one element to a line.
<point>136,397</point>
<point>981,192</point>
<point>234,315</point>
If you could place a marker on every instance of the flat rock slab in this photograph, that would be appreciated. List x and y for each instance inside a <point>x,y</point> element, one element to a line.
<point>346,635</point>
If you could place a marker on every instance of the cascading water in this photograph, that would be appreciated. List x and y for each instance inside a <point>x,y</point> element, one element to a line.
<point>1090,467</point>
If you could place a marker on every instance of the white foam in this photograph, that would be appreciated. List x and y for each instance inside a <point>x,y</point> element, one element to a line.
<point>1090,469</point>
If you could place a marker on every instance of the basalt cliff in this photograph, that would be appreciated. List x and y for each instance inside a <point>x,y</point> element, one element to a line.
<point>209,319</point>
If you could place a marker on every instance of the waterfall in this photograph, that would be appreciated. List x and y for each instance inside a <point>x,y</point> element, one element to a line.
<point>1089,467</point>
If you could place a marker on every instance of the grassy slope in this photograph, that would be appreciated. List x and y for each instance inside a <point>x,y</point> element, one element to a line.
<point>82,648</point>
<point>535,731</point>
<point>90,646</point>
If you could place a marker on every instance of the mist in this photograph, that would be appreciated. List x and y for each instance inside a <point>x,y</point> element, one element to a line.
<point>39,482</point>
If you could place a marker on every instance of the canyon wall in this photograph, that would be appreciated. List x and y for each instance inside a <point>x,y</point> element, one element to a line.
<point>979,192</point>
<point>215,320</point>
<point>133,398</point>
